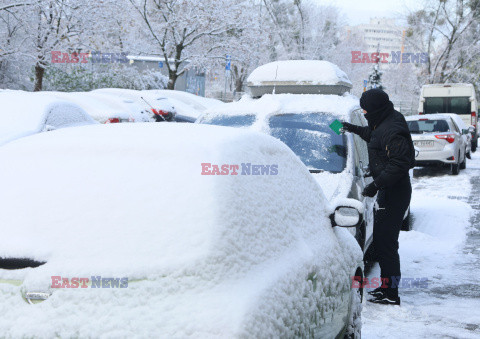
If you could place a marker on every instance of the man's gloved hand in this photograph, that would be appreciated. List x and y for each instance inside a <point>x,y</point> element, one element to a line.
<point>347,127</point>
<point>370,190</point>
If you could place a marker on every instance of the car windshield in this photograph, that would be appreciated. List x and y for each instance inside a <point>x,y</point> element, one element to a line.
<point>311,139</point>
<point>229,120</point>
<point>427,126</point>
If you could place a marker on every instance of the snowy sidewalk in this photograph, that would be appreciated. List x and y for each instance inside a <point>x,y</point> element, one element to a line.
<point>444,248</point>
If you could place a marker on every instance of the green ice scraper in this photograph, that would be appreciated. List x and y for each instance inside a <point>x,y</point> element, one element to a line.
<point>336,126</point>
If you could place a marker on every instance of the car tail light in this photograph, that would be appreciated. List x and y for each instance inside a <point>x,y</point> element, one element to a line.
<point>474,119</point>
<point>449,137</point>
<point>112,121</point>
<point>420,113</point>
<point>159,112</point>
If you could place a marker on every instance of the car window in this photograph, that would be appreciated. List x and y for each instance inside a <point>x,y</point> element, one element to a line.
<point>455,126</point>
<point>311,139</point>
<point>428,126</point>
<point>229,120</point>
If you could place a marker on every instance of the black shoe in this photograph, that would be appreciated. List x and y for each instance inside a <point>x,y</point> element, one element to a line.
<point>378,292</point>
<point>384,300</point>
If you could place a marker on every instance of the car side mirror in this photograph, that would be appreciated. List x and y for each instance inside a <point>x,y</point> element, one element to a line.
<point>465,131</point>
<point>346,216</point>
<point>471,129</point>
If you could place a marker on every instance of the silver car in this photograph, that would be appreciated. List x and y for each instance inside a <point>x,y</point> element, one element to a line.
<point>440,141</point>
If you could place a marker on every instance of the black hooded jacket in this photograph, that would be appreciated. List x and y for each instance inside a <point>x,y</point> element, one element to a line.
<point>390,147</point>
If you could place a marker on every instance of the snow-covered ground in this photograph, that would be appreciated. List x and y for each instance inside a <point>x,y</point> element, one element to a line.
<point>442,247</point>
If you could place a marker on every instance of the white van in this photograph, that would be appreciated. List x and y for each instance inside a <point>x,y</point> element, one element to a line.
<point>452,98</point>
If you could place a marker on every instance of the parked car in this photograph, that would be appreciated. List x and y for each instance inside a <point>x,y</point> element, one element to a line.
<point>233,255</point>
<point>452,98</point>
<point>339,163</point>
<point>440,141</point>
<point>461,126</point>
<point>103,108</point>
<point>152,107</point>
<point>188,106</point>
<point>25,113</point>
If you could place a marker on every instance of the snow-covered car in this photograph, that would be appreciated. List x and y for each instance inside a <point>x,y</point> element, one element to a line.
<point>152,107</point>
<point>103,108</point>
<point>439,140</point>
<point>25,113</point>
<point>188,107</point>
<point>251,252</point>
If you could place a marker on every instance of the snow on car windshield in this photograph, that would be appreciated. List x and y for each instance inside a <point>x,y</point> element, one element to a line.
<point>427,126</point>
<point>230,120</point>
<point>311,139</point>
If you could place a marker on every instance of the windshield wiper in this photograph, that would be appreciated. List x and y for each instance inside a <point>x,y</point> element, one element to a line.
<point>19,263</point>
<point>316,171</point>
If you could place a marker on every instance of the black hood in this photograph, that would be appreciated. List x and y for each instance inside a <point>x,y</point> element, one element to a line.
<point>378,106</point>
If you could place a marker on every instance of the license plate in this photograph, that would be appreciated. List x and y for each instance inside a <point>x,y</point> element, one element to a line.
<point>424,143</point>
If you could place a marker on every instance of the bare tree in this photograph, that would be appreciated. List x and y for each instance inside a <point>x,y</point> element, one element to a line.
<point>440,30</point>
<point>186,30</point>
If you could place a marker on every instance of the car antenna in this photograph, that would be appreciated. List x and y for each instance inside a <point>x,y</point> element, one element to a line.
<point>275,84</point>
<point>153,109</point>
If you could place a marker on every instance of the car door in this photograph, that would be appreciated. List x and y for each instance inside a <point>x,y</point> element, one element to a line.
<point>462,144</point>
<point>362,152</point>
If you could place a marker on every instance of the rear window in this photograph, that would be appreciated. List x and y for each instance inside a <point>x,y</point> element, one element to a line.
<point>428,126</point>
<point>457,105</point>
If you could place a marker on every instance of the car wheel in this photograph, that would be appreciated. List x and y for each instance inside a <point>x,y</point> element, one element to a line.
<point>455,168</point>
<point>407,222</point>
<point>354,329</point>
<point>463,165</point>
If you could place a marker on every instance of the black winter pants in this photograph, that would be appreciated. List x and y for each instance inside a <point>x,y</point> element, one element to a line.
<point>392,205</point>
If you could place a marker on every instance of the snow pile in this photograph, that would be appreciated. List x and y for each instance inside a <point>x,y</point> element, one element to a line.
<point>313,72</point>
<point>26,113</point>
<point>206,256</point>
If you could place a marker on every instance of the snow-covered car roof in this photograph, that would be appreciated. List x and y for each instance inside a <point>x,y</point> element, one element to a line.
<point>25,113</point>
<point>276,104</point>
<point>211,251</point>
<point>99,106</point>
<point>149,99</point>
<point>298,76</point>
<point>441,116</point>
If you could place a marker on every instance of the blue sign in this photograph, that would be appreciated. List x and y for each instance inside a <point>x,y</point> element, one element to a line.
<point>228,65</point>
<point>365,83</point>
<point>160,64</point>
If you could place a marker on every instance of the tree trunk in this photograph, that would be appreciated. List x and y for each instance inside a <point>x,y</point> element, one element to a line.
<point>39,72</point>
<point>172,80</point>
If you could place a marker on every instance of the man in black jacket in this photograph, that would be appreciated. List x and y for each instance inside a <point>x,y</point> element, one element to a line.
<point>391,155</point>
